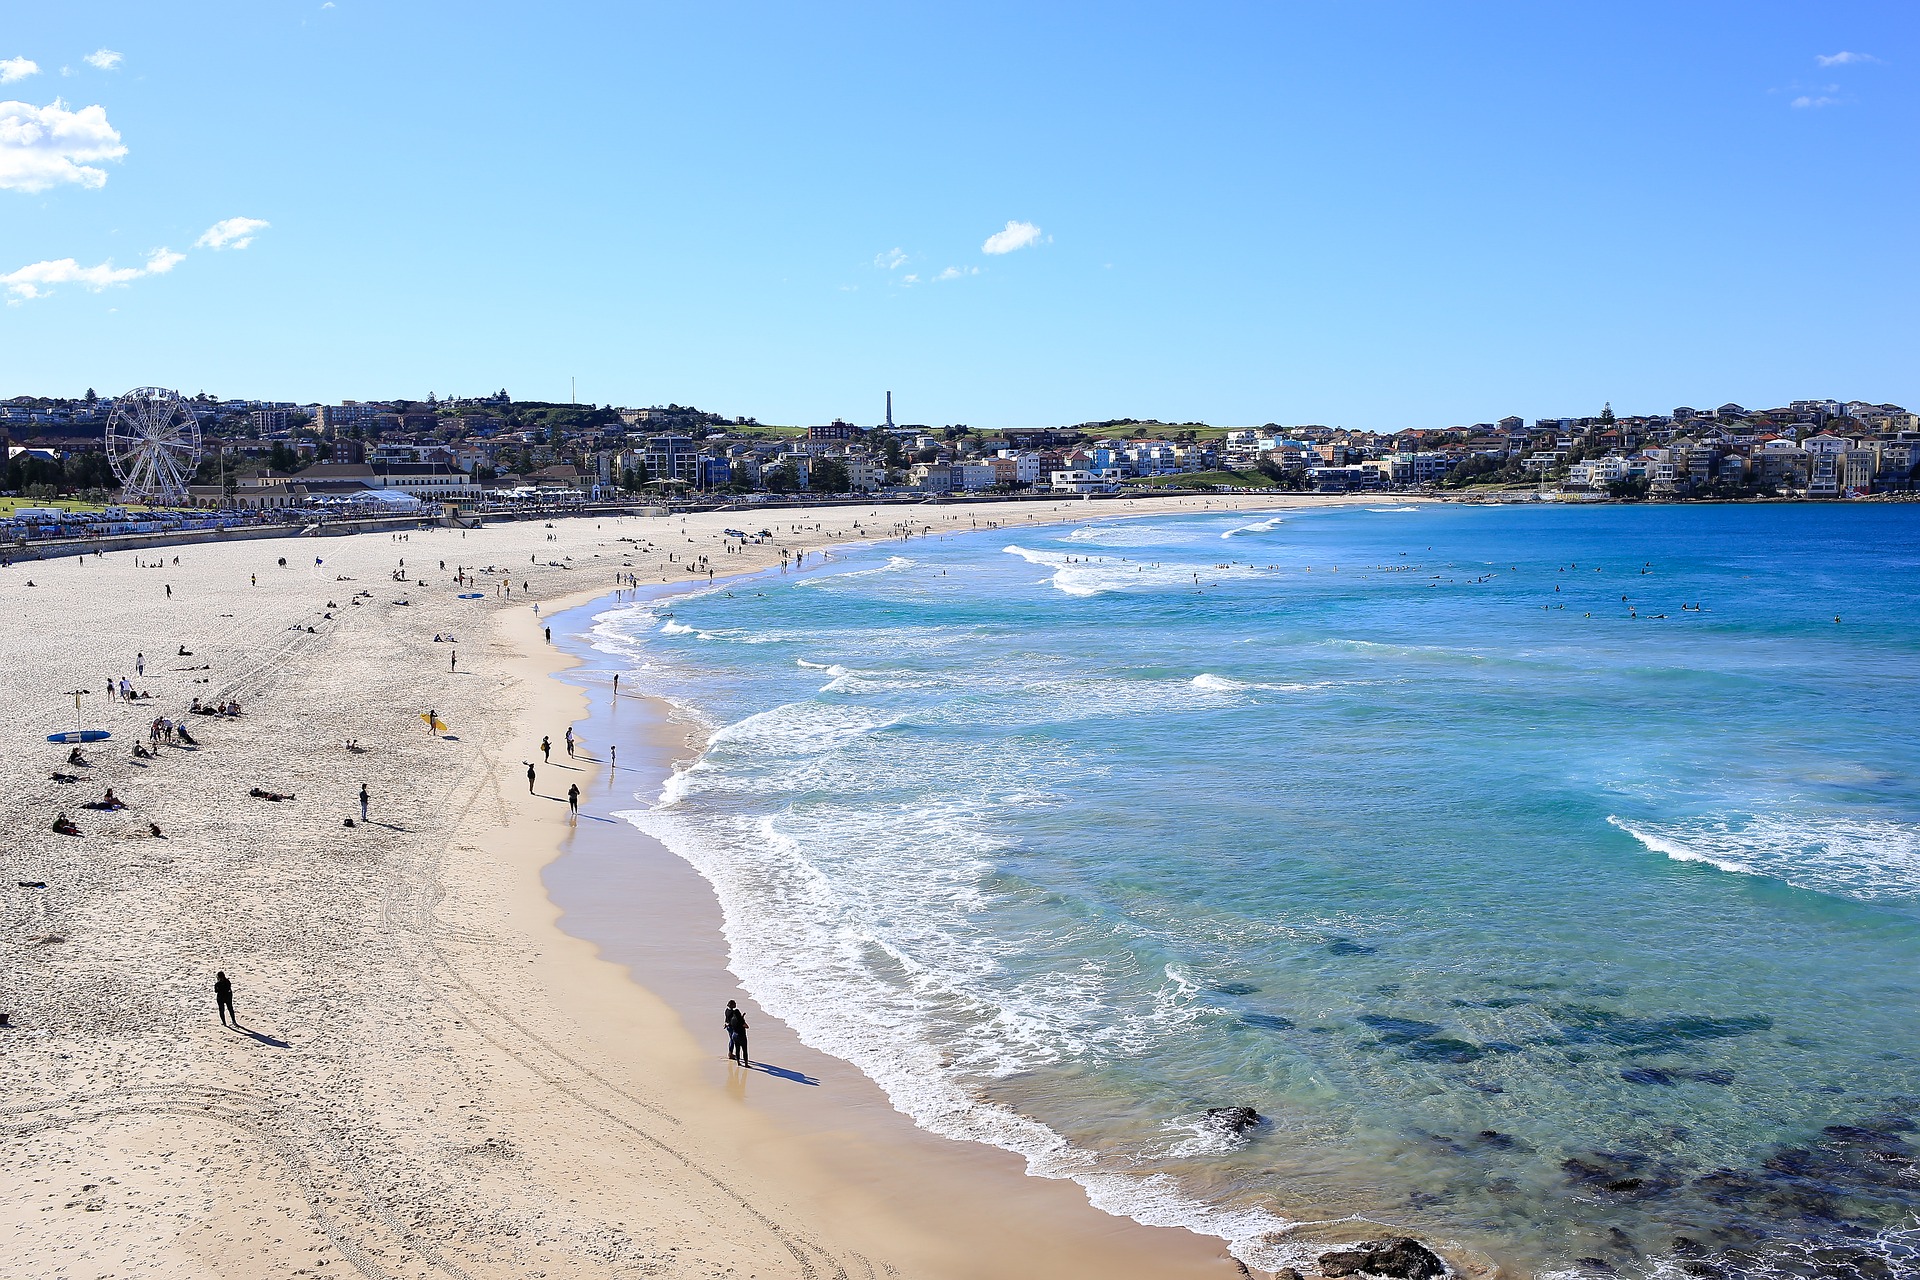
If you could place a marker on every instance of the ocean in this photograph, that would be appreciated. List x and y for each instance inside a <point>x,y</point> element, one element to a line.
<point>1547,878</point>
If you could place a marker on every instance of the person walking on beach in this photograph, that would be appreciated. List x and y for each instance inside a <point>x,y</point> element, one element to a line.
<point>223,996</point>
<point>529,777</point>
<point>364,797</point>
<point>573,799</point>
<point>546,749</point>
<point>736,1023</point>
<point>453,661</point>
<point>569,741</point>
<point>140,664</point>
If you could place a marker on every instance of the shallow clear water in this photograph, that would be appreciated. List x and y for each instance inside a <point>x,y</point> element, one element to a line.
<point>1532,926</point>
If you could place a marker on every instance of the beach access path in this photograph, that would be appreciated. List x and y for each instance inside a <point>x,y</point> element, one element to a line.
<point>428,1078</point>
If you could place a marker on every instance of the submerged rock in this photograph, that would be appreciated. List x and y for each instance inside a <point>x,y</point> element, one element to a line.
<point>1645,1075</point>
<point>1267,1021</point>
<point>1400,1257</point>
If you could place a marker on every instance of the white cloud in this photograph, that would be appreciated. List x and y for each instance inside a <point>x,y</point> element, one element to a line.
<point>1842,58</point>
<point>231,233</point>
<point>956,273</point>
<point>42,147</point>
<point>1018,235</point>
<point>1805,101</point>
<point>36,280</point>
<point>12,69</point>
<point>891,259</point>
<point>909,279</point>
<point>104,60</point>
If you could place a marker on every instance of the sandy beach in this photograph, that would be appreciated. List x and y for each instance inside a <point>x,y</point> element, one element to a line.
<point>431,1076</point>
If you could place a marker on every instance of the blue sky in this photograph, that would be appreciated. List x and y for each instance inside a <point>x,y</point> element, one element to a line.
<point>1380,215</point>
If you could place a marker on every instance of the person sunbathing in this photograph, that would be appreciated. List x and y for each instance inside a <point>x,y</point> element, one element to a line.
<point>259,794</point>
<point>186,737</point>
<point>65,777</point>
<point>64,825</point>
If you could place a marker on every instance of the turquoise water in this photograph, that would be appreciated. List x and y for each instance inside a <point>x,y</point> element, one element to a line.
<point>1538,913</point>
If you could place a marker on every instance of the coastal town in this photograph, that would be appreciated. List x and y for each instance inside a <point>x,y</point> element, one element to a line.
<point>280,458</point>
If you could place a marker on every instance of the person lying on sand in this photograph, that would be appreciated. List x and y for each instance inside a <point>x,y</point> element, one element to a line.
<point>64,825</point>
<point>65,777</point>
<point>258,794</point>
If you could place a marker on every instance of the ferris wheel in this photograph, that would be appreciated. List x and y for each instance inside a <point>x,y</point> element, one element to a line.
<point>153,445</point>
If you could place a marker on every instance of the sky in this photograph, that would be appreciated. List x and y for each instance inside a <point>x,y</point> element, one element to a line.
<point>1377,216</point>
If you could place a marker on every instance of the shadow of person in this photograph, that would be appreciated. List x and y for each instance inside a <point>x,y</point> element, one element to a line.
<point>259,1036</point>
<point>784,1073</point>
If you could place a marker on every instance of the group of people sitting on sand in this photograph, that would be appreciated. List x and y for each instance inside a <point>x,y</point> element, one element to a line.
<point>229,708</point>
<point>448,638</point>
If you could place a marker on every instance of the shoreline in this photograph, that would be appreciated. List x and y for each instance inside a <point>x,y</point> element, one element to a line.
<point>615,886</point>
<point>646,911</point>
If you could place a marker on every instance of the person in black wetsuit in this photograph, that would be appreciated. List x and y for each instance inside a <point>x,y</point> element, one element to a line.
<point>223,996</point>
<point>736,1023</point>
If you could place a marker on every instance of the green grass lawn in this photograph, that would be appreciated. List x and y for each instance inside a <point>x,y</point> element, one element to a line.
<point>1208,479</point>
<point>7,505</point>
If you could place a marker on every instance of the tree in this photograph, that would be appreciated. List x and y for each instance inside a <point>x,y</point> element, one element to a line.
<point>781,479</point>
<point>828,475</point>
<point>91,397</point>
<point>281,458</point>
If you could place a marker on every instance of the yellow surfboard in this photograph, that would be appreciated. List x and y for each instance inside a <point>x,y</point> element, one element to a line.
<point>433,722</point>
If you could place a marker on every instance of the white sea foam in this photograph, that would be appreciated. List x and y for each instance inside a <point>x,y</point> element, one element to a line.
<point>671,628</point>
<point>1864,859</point>
<point>1388,511</point>
<point>1129,534</point>
<point>1227,684</point>
<point>1264,526</point>
<point>1091,576</point>
<point>893,565</point>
